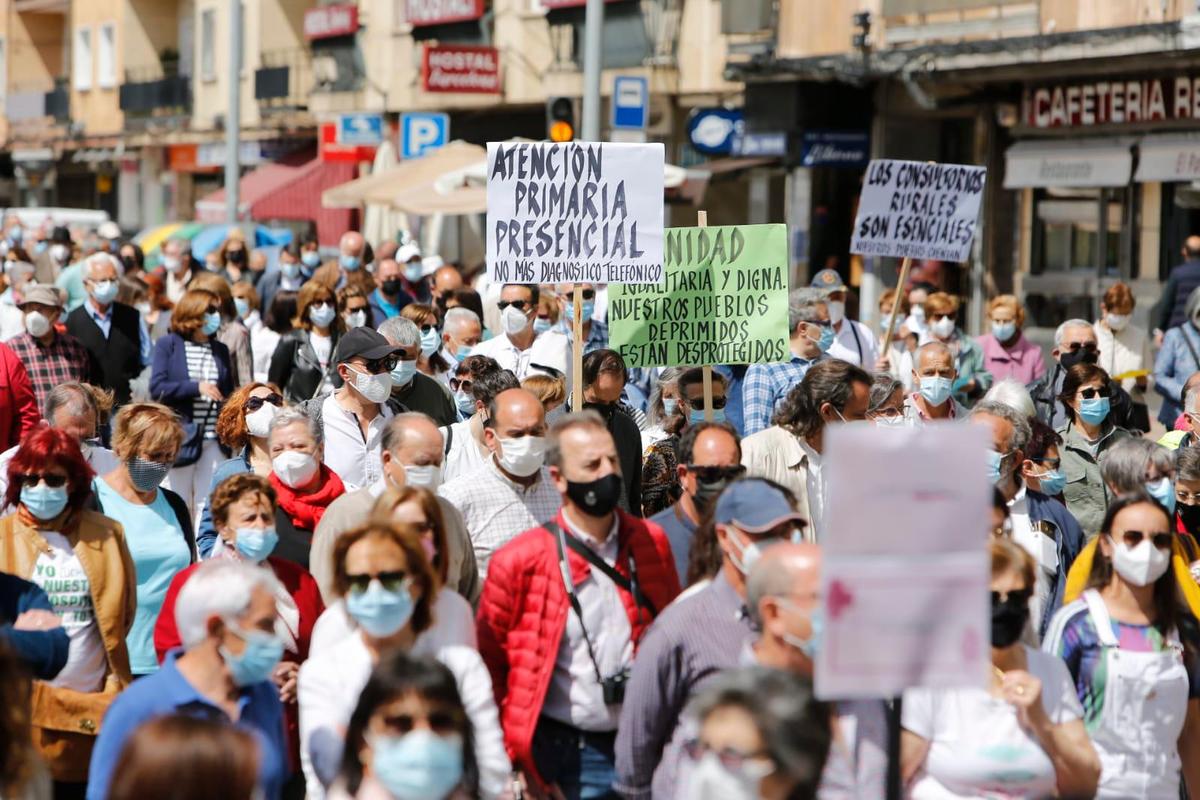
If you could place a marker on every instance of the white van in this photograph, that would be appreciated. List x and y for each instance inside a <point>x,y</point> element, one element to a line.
<point>32,218</point>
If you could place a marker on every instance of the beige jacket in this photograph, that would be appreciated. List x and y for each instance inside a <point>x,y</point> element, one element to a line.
<point>775,453</point>
<point>354,508</point>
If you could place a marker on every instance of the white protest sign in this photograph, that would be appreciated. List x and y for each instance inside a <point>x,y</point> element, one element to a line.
<point>578,212</point>
<point>905,570</point>
<point>913,209</point>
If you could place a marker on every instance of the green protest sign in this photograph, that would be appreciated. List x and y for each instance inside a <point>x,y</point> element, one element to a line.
<point>723,300</point>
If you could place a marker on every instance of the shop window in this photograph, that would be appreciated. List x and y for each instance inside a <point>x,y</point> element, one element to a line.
<point>81,59</point>
<point>1075,235</point>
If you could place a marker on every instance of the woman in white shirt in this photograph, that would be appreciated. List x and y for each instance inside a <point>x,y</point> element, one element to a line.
<point>388,586</point>
<point>1124,347</point>
<point>1023,736</point>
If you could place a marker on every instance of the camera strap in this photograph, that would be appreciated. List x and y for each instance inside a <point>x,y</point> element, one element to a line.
<point>564,567</point>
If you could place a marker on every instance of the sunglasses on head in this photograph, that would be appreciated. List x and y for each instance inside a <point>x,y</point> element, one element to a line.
<point>33,479</point>
<point>698,403</point>
<point>391,581</point>
<point>519,305</point>
<point>1091,393</point>
<point>712,474</point>
<point>443,722</point>
<point>460,383</point>
<point>255,403</point>
<point>1160,539</point>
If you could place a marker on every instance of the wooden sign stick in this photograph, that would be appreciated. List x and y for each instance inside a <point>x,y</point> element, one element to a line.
<point>702,222</point>
<point>887,337</point>
<point>577,350</point>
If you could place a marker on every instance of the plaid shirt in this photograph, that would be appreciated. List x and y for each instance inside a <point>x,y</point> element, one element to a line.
<point>766,385</point>
<point>65,359</point>
<point>597,338</point>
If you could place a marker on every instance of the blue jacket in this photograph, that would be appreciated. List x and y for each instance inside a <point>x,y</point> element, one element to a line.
<point>44,652</point>
<point>1172,367</point>
<point>1183,280</point>
<point>1070,540</point>
<point>169,381</point>
<point>206,536</point>
<point>379,313</point>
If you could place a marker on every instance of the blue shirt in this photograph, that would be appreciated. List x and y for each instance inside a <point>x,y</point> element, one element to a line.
<point>597,338</point>
<point>159,551</point>
<point>679,530</point>
<point>766,385</point>
<point>168,692</point>
<point>44,652</point>
<point>104,323</point>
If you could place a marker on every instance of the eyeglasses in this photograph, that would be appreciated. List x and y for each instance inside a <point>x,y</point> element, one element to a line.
<point>698,402</point>
<point>428,328</point>
<point>381,365</point>
<point>443,722</point>
<point>711,474</point>
<point>733,760</point>
<point>1075,347</point>
<point>392,581</point>
<point>1022,595</point>
<point>1161,539</point>
<point>820,323</point>
<point>460,383</point>
<point>33,479</point>
<point>255,403</point>
<point>936,317</point>
<point>1091,393</point>
<point>588,294</point>
<point>885,413</point>
<point>1187,498</point>
<point>519,305</point>
<point>1049,463</point>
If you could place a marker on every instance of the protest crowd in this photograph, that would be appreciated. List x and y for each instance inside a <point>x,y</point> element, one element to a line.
<point>335,529</point>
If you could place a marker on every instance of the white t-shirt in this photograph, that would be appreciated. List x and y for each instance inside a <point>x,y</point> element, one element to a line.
<point>323,347</point>
<point>977,747</point>
<point>1044,551</point>
<point>61,577</point>
<point>465,454</point>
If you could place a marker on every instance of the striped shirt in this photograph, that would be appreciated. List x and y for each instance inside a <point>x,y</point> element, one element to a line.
<point>202,368</point>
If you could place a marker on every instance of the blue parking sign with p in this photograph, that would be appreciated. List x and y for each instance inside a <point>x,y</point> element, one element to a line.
<point>421,133</point>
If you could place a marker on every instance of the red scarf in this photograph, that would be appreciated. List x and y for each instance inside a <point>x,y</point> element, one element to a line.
<point>306,509</point>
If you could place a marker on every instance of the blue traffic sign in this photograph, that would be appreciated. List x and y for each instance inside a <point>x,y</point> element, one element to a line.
<point>422,132</point>
<point>360,129</point>
<point>712,131</point>
<point>630,103</point>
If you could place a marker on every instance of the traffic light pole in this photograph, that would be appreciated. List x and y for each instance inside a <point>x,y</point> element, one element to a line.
<point>593,25</point>
<point>233,122</point>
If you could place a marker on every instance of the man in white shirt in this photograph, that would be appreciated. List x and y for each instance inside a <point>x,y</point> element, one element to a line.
<point>512,346</point>
<point>177,262</point>
<point>354,416</point>
<point>477,380</point>
<point>853,341</point>
<point>512,492</point>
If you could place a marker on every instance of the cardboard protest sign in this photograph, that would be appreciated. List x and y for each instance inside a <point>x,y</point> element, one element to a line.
<point>912,209</point>
<point>723,300</point>
<point>905,570</point>
<point>578,212</point>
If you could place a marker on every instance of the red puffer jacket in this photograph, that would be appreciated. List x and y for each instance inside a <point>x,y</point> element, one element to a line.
<point>523,613</point>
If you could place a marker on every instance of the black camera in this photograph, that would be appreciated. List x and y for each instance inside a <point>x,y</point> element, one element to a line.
<point>613,688</point>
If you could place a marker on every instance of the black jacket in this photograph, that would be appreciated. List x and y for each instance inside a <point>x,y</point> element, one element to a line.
<point>1169,311</point>
<point>295,368</point>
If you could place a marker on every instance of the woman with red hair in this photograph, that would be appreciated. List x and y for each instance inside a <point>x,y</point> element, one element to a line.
<point>79,558</point>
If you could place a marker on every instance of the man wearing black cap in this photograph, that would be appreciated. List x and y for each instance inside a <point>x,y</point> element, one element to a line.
<point>353,417</point>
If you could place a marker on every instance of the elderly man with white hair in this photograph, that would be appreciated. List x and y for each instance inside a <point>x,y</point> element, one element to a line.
<point>1075,343</point>
<point>412,390</point>
<point>177,261</point>
<point>227,616</point>
<point>462,331</point>
<point>114,334</point>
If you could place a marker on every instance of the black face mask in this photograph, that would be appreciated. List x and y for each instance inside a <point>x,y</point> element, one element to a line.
<point>596,498</point>
<point>1190,516</point>
<point>129,263</point>
<point>236,256</point>
<point>392,287</point>
<point>1080,356</point>
<point>1009,617</point>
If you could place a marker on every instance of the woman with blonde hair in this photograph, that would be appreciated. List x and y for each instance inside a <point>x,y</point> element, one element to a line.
<point>550,390</point>
<point>1006,351</point>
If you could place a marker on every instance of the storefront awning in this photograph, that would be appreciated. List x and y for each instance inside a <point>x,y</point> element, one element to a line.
<point>1068,163</point>
<point>253,186</point>
<point>1168,157</point>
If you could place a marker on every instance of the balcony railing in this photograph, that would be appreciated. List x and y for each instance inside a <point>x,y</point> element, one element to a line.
<point>38,101</point>
<point>284,81</point>
<point>148,91</point>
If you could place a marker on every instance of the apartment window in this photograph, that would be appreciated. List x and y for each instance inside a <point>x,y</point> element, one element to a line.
<point>208,43</point>
<point>81,59</point>
<point>106,56</point>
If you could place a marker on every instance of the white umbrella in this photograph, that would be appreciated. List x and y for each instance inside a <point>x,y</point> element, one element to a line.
<point>380,222</point>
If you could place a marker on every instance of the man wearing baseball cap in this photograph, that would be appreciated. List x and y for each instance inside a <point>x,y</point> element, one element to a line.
<point>50,357</point>
<point>853,341</point>
<point>698,636</point>
<point>354,416</point>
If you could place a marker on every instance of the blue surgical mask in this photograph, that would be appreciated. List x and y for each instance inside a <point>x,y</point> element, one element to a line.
<point>812,645</point>
<point>378,611</point>
<point>257,661</point>
<point>420,765</point>
<point>464,350</point>
<point>589,308</point>
<point>290,270</point>
<point>44,502</point>
<point>40,247</point>
<point>430,342</point>
<point>1052,482</point>
<point>255,544</point>
<point>995,461</point>
<point>212,322</point>
<point>1003,331</point>
<point>414,271</point>
<point>1163,491</point>
<point>936,389</point>
<point>465,402</point>
<point>104,291</point>
<point>670,404</point>
<point>349,263</point>
<point>1094,410</point>
<point>697,415</point>
<point>16,235</point>
<point>826,339</point>
<point>403,374</point>
<point>540,326</point>
<point>242,305</point>
<point>321,316</point>
<point>310,258</point>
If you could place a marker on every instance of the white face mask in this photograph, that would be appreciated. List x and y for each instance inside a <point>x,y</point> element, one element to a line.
<point>60,253</point>
<point>294,468</point>
<point>943,328</point>
<point>709,779</point>
<point>356,319</point>
<point>427,476</point>
<point>513,320</point>
<point>375,388</point>
<point>1141,565</point>
<point>1117,321</point>
<point>172,263</point>
<point>522,457</point>
<point>37,324</point>
<point>258,423</point>
<point>837,310</point>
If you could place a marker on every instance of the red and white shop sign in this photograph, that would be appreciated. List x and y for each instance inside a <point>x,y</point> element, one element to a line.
<point>460,68</point>
<point>326,22</point>
<point>1111,102</point>
<point>420,13</point>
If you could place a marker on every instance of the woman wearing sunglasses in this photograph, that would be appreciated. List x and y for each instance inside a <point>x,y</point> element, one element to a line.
<point>389,587</point>
<point>158,529</point>
<point>1131,647</point>
<point>1088,434</point>
<point>409,737</point>
<point>79,559</point>
<point>430,362</point>
<point>192,374</point>
<point>301,364</point>
<point>1022,736</point>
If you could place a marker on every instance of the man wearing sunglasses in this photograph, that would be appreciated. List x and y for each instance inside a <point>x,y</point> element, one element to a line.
<point>1075,343</point>
<point>512,347</point>
<point>595,332</point>
<point>412,390</point>
<point>811,337</point>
